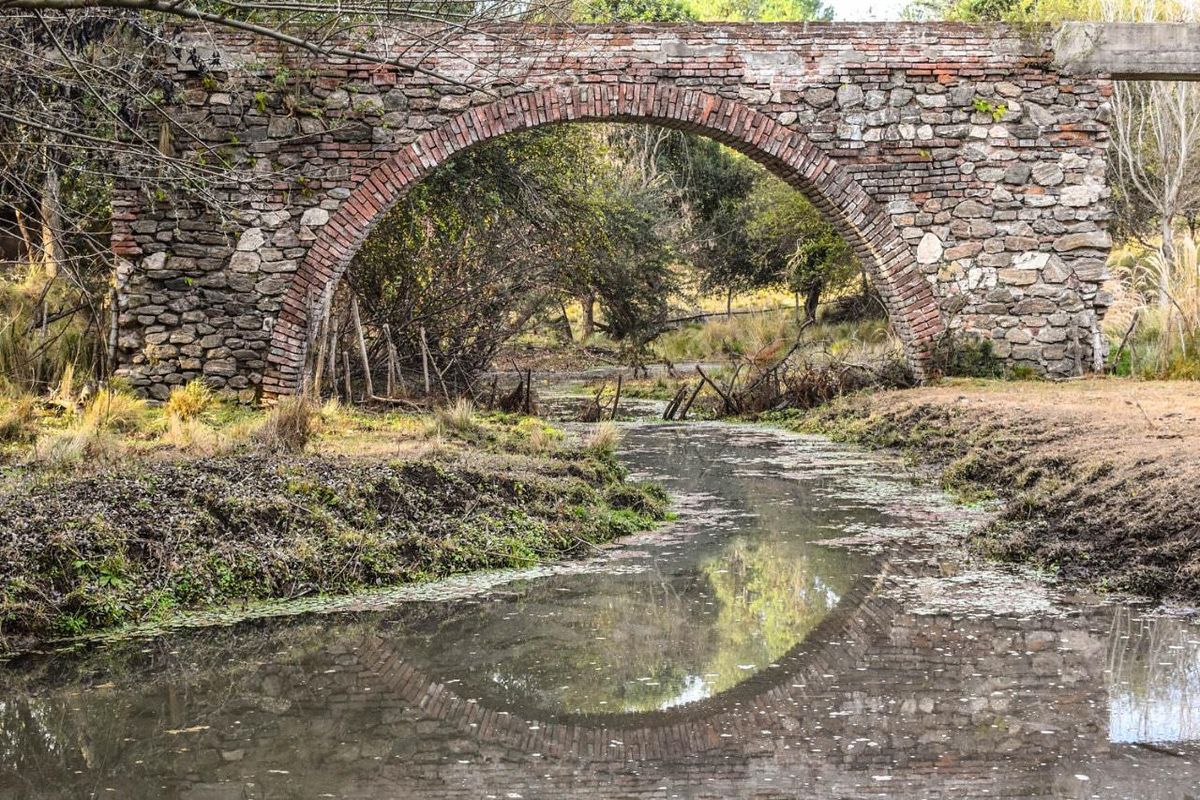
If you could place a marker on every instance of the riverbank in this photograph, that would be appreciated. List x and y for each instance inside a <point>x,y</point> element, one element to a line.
<point>1099,477</point>
<point>372,500</point>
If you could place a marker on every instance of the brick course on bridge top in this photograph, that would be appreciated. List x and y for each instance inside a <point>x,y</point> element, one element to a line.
<point>966,171</point>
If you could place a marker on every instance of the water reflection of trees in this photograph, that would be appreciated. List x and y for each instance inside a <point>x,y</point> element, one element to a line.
<point>769,597</point>
<point>1153,678</point>
<point>611,643</point>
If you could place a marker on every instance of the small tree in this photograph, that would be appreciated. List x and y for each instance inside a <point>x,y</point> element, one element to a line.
<point>791,241</point>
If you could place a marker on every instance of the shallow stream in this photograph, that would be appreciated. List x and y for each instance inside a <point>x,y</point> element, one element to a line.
<point>807,628</point>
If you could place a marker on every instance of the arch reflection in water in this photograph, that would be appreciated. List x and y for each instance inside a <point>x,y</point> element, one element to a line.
<point>783,669</point>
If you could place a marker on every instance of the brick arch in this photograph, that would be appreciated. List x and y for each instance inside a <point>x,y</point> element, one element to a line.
<point>908,296</point>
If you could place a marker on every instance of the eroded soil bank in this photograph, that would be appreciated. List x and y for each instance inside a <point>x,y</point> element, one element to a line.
<point>91,549</point>
<point>1101,478</point>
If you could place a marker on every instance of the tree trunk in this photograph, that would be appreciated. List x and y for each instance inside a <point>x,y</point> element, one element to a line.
<point>564,325</point>
<point>1168,258</point>
<point>729,303</point>
<point>49,212</point>
<point>588,301</point>
<point>812,300</point>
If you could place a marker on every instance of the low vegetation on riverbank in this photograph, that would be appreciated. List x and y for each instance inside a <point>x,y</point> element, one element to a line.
<point>115,512</point>
<point>1098,477</point>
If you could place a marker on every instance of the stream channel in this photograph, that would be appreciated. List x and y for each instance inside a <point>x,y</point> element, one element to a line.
<point>808,627</point>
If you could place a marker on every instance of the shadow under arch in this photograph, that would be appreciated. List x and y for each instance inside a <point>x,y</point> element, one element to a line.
<point>788,154</point>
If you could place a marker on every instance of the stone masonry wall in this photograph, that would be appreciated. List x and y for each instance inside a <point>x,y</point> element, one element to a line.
<point>966,172</point>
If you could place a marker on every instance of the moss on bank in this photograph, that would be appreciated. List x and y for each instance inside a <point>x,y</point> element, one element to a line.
<point>1113,517</point>
<point>88,549</point>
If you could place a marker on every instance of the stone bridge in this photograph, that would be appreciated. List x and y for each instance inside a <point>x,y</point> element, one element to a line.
<point>964,164</point>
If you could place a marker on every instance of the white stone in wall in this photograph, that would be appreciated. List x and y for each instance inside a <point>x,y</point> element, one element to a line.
<point>1072,161</point>
<point>251,239</point>
<point>243,261</point>
<point>1098,240</point>
<point>1079,196</point>
<point>929,250</point>
<point>1038,115</point>
<point>1031,260</point>
<point>849,95</point>
<point>314,217</point>
<point>1047,174</point>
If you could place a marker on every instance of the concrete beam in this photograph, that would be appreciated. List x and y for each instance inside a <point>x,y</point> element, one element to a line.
<point>1129,50</point>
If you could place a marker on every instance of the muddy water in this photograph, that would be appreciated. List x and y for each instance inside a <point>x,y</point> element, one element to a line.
<point>807,628</point>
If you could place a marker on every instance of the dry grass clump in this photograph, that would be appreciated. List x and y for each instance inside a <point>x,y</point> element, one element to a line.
<point>758,340</point>
<point>18,420</point>
<point>537,437</point>
<point>289,426</point>
<point>457,420</point>
<point>334,416</point>
<point>333,411</point>
<point>190,400</point>
<point>603,439</point>
<point>720,337</point>
<point>459,417</point>
<point>113,409</point>
<point>74,447</point>
<point>192,436</point>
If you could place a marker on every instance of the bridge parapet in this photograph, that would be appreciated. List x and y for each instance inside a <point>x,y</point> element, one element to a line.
<point>1134,51</point>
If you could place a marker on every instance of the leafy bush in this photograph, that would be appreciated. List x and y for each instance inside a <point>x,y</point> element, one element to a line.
<point>963,355</point>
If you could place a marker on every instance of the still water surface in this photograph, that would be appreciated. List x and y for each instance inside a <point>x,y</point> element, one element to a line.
<point>735,654</point>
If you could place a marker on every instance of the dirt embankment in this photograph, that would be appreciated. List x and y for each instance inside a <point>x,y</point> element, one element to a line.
<point>83,552</point>
<point>1101,478</point>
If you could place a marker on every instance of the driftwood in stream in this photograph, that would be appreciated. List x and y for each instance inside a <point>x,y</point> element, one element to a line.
<point>681,403</point>
<point>725,398</point>
<point>691,399</point>
<point>675,402</point>
<point>595,411</point>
